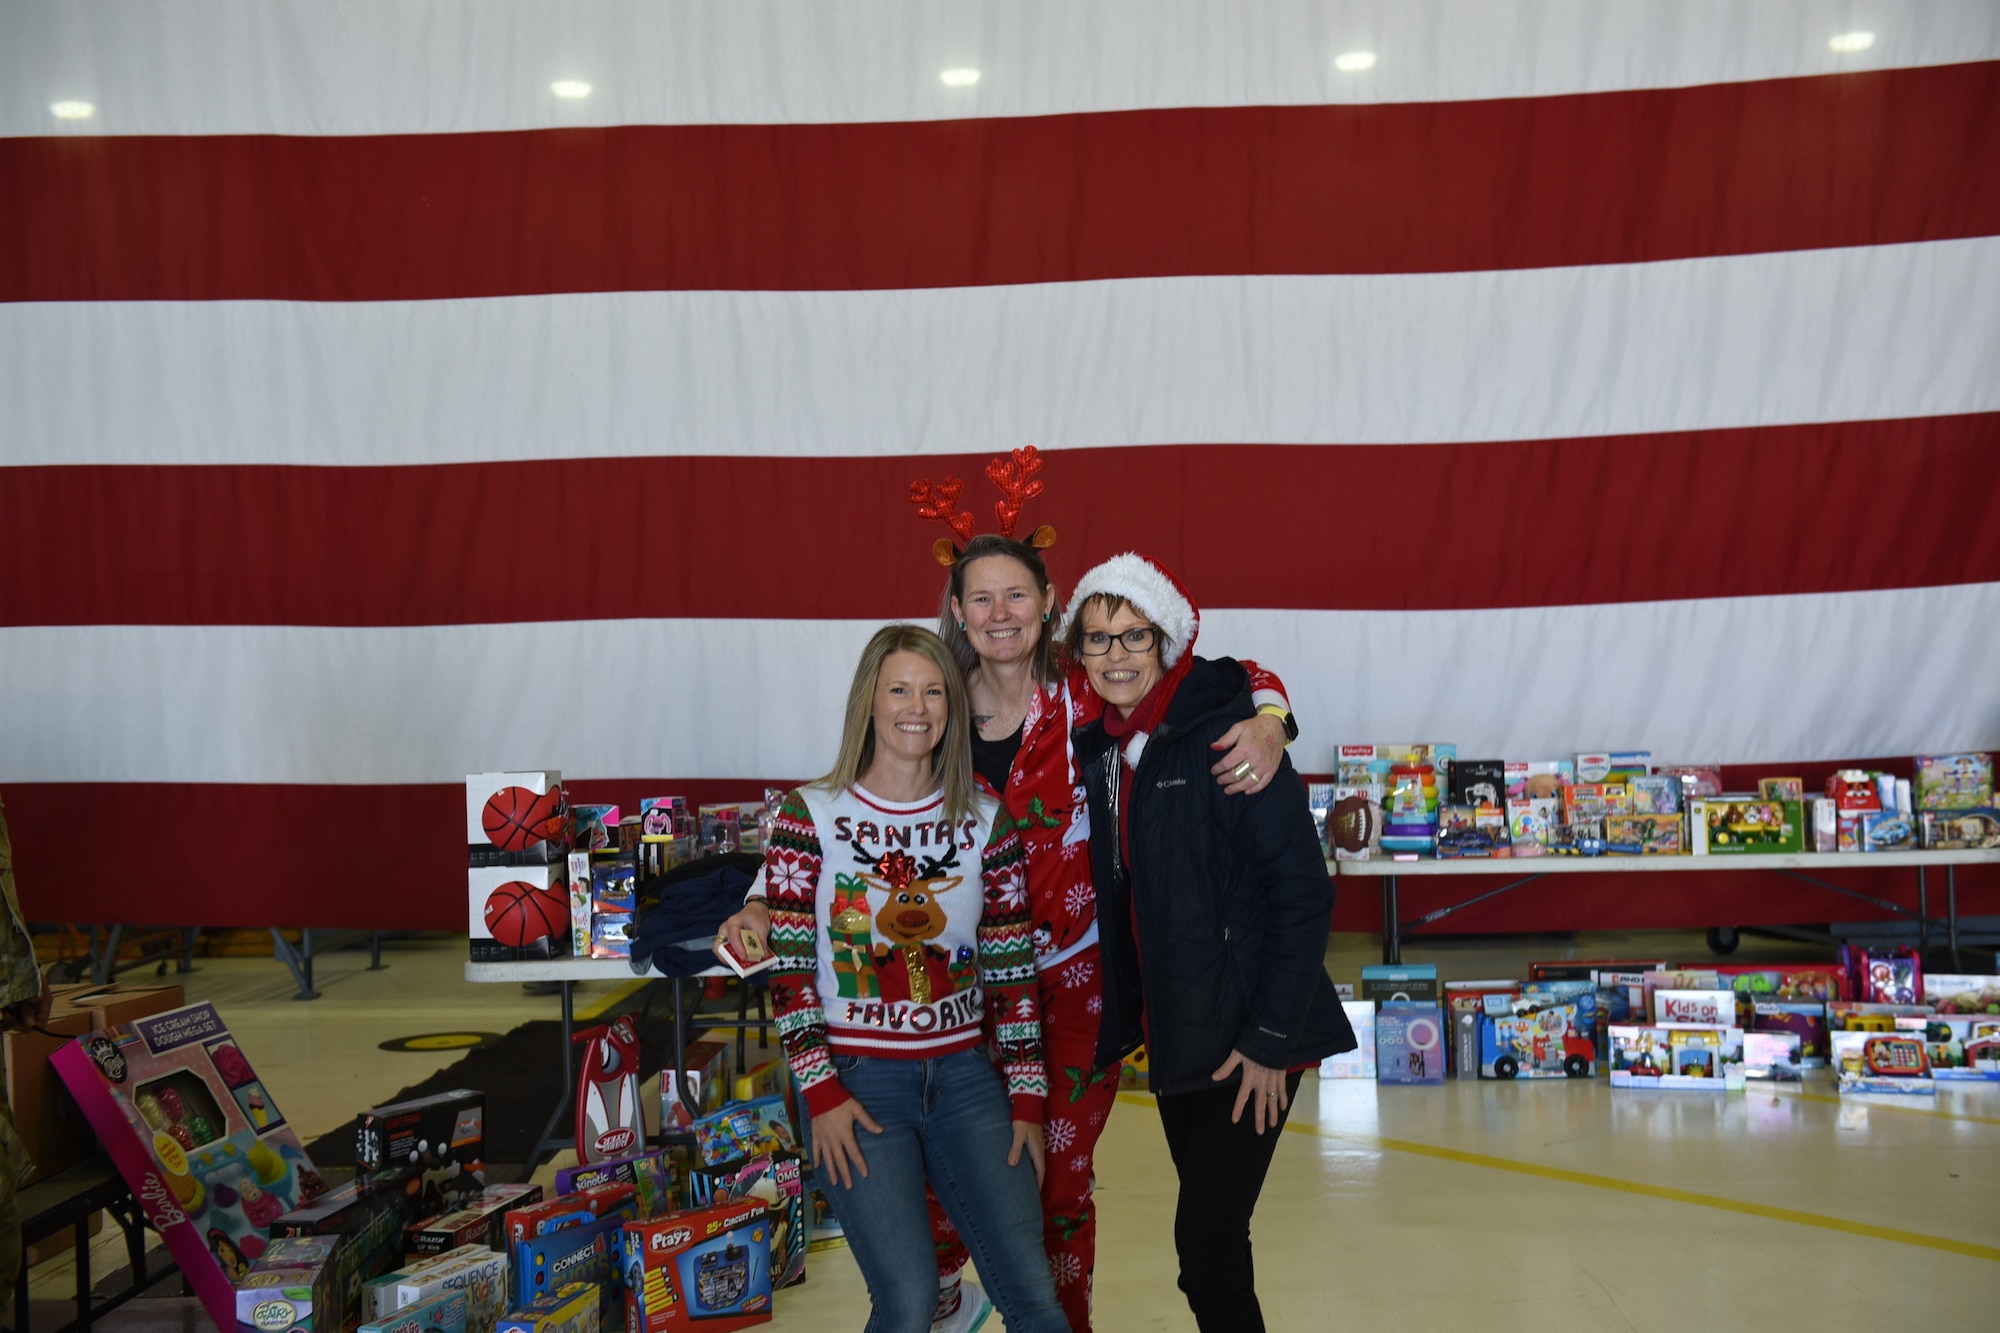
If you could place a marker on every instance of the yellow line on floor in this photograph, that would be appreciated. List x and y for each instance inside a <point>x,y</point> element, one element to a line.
<point>1825,1223</point>
<point>602,1006</point>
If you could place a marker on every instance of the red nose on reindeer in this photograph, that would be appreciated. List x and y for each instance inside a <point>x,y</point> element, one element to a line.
<point>913,920</point>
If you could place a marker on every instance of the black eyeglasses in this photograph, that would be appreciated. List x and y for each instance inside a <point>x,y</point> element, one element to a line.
<point>1097,643</point>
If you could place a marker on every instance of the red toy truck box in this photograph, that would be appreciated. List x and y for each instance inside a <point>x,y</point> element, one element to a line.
<point>204,1147</point>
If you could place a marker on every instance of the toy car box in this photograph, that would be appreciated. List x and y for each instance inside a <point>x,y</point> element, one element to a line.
<point>704,1268</point>
<point>1410,1043</point>
<point>208,1154</point>
<point>445,1135</point>
<point>1542,1043</point>
<point>778,1182</point>
<point>577,1308</point>
<point>516,819</point>
<point>442,1314</point>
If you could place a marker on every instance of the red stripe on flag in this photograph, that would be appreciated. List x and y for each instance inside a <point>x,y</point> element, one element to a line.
<point>1850,507</point>
<point>1790,164</point>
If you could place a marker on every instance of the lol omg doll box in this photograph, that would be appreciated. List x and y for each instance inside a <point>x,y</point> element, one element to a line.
<point>198,1138</point>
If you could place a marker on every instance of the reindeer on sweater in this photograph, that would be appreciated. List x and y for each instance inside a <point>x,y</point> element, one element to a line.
<point>909,920</point>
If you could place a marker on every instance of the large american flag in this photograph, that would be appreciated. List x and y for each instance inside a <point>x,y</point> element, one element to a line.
<point>1568,376</point>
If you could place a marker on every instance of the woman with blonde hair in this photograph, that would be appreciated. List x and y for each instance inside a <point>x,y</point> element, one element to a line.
<point>899,918</point>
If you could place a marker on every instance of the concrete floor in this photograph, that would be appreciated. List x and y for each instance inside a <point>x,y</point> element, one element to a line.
<point>1546,1206</point>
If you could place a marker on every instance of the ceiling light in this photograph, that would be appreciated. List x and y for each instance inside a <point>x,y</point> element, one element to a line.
<point>1853,41</point>
<point>959,78</point>
<point>72,110</point>
<point>571,88</point>
<point>1353,62</point>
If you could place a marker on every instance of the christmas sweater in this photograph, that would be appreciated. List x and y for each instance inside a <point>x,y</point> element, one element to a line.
<point>1044,806</point>
<point>895,931</point>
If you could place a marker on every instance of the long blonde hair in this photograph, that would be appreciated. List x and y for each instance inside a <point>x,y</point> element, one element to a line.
<point>951,757</point>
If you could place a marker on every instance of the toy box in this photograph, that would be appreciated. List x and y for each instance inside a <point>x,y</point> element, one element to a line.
<point>1544,1043</point>
<point>300,1298</point>
<point>1479,782</point>
<point>1892,1062</point>
<point>704,1268</point>
<point>577,1308</point>
<point>1530,822</point>
<point>1715,1008</point>
<point>578,877</point>
<point>1963,1047</point>
<point>444,1314</point>
<point>1465,1001</point>
<point>1962,993</point>
<point>1410,810</point>
<point>1359,1062</point>
<point>1817,983</point>
<point>204,1147</point>
<point>568,1210</point>
<point>778,1182</point>
<point>1695,779</point>
<point>1735,827</point>
<point>1383,982</point>
<point>1775,1057</point>
<point>736,827</point>
<point>444,1135</point>
<point>1642,835</point>
<point>482,1221</point>
<point>611,935</point>
<point>1885,831</point>
<point>478,1273</point>
<point>518,913</point>
<point>596,828</point>
<point>1410,1043</point>
<point>1655,794</point>
<point>367,1215</point>
<point>1535,780</point>
<point>612,889</point>
<point>587,1252</point>
<point>651,1176</point>
<point>378,1294</point>
<point>1959,830</point>
<point>744,1129</point>
<point>516,819</point>
<point>1667,1057</point>
<point>1866,1016</point>
<point>1613,765</point>
<point>1354,821</point>
<point>1883,976</point>
<point>1952,781</point>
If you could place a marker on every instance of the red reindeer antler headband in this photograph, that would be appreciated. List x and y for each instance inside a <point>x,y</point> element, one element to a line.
<point>1013,474</point>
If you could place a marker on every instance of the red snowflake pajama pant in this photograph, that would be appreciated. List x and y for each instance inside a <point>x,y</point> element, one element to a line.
<point>1079,1102</point>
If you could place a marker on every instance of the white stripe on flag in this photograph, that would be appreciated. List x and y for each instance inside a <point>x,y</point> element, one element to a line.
<point>1783,679</point>
<point>1759,340</point>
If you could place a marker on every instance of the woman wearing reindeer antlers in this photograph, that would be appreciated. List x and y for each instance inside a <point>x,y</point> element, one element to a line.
<point>997,612</point>
<point>899,915</point>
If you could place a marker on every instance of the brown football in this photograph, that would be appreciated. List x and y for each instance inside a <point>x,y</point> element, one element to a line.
<point>1353,823</point>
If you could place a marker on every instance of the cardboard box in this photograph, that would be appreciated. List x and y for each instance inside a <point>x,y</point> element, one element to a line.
<point>53,1130</point>
<point>184,1115</point>
<point>516,819</point>
<point>705,1268</point>
<point>777,1180</point>
<point>481,1274</point>
<point>481,1222</point>
<point>577,1308</point>
<point>114,1003</point>
<point>367,1215</point>
<point>379,1295</point>
<point>288,1300</point>
<point>442,1135</point>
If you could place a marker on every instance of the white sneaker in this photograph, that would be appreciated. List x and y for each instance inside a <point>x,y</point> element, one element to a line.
<point>973,1308</point>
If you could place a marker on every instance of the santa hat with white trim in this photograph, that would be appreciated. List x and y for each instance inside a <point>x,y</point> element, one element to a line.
<point>1152,590</point>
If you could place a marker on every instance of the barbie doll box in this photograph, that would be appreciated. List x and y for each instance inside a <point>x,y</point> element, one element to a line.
<point>204,1147</point>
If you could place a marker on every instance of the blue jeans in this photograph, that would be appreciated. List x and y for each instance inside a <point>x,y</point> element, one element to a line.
<point>948,1119</point>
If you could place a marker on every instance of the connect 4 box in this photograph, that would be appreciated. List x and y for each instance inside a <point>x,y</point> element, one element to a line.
<point>705,1268</point>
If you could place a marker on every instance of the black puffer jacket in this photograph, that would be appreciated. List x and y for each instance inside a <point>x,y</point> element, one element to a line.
<point>1233,901</point>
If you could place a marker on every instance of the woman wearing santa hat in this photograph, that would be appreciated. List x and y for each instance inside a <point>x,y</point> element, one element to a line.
<point>1213,913</point>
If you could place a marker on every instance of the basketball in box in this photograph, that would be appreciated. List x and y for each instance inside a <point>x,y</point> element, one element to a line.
<point>204,1147</point>
<point>516,819</point>
<point>444,1134</point>
<point>518,913</point>
<point>705,1268</point>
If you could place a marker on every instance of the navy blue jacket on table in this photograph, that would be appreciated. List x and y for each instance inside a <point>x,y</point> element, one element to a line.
<point>1233,902</point>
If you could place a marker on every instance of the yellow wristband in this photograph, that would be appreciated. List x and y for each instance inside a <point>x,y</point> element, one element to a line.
<point>1283,715</point>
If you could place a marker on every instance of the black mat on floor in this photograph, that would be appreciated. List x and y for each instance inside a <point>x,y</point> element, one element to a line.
<point>521,1075</point>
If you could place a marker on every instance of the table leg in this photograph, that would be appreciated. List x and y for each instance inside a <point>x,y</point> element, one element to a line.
<point>1392,910</point>
<point>1951,915</point>
<point>1923,914</point>
<point>83,1274</point>
<point>545,1138</point>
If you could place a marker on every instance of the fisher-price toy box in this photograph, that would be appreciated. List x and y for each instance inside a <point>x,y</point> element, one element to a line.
<point>202,1144</point>
<point>705,1268</point>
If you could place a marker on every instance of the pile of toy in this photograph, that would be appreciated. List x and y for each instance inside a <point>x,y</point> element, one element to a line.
<point>1872,1016</point>
<point>699,1229</point>
<point>1422,800</point>
<point>549,879</point>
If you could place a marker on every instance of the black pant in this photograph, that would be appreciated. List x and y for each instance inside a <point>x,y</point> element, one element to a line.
<point>1222,1168</point>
